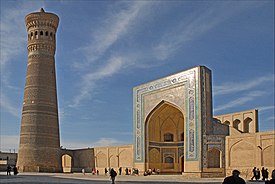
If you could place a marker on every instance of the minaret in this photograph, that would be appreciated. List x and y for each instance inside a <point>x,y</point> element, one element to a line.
<point>39,149</point>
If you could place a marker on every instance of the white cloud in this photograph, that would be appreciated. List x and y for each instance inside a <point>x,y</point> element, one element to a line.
<point>7,106</point>
<point>271,118</point>
<point>13,31</point>
<point>118,25</point>
<point>115,26</point>
<point>88,84</point>
<point>99,143</point>
<point>9,142</point>
<point>235,87</point>
<point>73,144</point>
<point>242,100</point>
<point>265,108</point>
<point>192,27</point>
<point>107,142</point>
<point>13,43</point>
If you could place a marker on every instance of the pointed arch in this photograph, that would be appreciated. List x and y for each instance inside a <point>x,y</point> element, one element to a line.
<point>268,156</point>
<point>214,158</point>
<point>158,106</point>
<point>226,123</point>
<point>247,125</point>
<point>238,150</point>
<point>236,124</point>
<point>67,162</point>
<point>164,125</point>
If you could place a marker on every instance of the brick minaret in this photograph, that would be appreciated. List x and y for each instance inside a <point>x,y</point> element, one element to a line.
<point>39,149</point>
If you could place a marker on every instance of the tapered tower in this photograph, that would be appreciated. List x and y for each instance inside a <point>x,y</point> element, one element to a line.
<point>39,149</point>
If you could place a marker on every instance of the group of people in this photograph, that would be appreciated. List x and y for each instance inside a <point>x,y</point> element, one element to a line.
<point>9,169</point>
<point>128,171</point>
<point>257,174</point>
<point>151,171</point>
<point>94,171</point>
<point>236,179</point>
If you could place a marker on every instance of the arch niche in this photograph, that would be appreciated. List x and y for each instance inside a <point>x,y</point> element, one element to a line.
<point>67,163</point>
<point>164,132</point>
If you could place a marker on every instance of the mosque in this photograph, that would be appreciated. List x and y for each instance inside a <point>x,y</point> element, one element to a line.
<point>173,125</point>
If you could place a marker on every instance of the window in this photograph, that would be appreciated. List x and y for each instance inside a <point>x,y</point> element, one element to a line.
<point>214,158</point>
<point>247,125</point>
<point>36,35</point>
<point>168,137</point>
<point>169,160</point>
<point>236,124</point>
<point>226,123</point>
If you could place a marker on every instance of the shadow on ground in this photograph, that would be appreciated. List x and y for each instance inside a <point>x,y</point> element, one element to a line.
<point>33,179</point>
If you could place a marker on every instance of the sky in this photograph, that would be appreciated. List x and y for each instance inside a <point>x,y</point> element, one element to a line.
<point>105,48</point>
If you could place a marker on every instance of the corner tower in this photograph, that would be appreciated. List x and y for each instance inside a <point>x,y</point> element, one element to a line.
<point>39,149</point>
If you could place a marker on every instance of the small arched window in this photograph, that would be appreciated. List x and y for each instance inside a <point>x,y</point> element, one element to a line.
<point>51,35</point>
<point>47,33</point>
<point>236,124</point>
<point>36,34</point>
<point>41,33</point>
<point>214,158</point>
<point>168,137</point>
<point>169,160</point>
<point>226,123</point>
<point>247,125</point>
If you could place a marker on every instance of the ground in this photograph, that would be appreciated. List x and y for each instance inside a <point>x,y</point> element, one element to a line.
<point>60,178</point>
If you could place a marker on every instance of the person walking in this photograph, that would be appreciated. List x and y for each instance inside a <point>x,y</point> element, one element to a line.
<point>254,173</point>
<point>120,170</point>
<point>234,179</point>
<point>258,174</point>
<point>113,175</point>
<point>8,170</point>
<point>272,181</point>
<point>15,170</point>
<point>105,171</point>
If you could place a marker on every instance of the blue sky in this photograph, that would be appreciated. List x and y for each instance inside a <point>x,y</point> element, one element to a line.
<point>105,48</point>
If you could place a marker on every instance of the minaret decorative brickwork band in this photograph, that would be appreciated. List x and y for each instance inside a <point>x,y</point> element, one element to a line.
<point>39,149</point>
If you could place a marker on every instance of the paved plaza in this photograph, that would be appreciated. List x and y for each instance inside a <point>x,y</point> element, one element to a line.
<point>60,178</point>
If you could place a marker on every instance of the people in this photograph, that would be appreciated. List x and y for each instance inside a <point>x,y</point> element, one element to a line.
<point>105,171</point>
<point>258,174</point>
<point>266,174</point>
<point>272,181</point>
<point>126,171</point>
<point>120,170</point>
<point>254,173</point>
<point>234,178</point>
<point>8,170</point>
<point>83,171</point>
<point>113,175</point>
<point>263,173</point>
<point>15,170</point>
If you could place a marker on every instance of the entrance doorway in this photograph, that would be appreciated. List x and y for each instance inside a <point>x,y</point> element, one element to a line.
<point>164,138</point>
<point>67,163</point>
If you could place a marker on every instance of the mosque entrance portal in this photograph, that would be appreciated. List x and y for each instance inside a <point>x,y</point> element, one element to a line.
<point>164,139</point>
